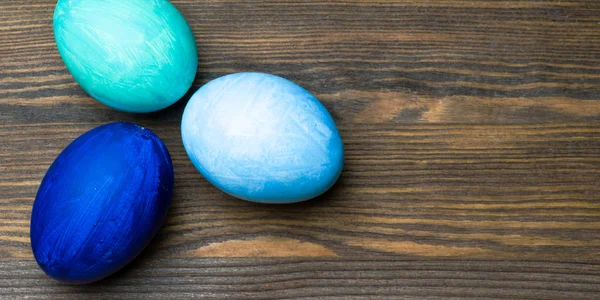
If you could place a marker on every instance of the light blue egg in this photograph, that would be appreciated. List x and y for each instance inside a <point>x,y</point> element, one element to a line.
<point>132,55</point>
<point>262,138</point>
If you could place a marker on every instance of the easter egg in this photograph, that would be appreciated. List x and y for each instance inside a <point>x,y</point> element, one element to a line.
<point>132,55</point>
<point>262,138</point>
<point>101,202</point>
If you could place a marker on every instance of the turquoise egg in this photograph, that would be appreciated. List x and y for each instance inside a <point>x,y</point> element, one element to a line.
<point>262,138</point>
<point>132,55</point>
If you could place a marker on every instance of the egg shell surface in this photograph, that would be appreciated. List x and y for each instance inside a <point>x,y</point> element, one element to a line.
<point>132,55</point>
<point>101,202</point>
<point>262,138</point>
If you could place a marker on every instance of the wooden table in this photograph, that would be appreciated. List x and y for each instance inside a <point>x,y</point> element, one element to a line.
<point>472,135</point>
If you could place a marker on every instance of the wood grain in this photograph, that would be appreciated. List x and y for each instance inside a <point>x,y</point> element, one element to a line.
<point>472,135</point>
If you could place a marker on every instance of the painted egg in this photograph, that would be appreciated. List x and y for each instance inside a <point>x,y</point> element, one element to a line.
<point>101,202</point>
<point>132,55</point>
<point>262,138</point>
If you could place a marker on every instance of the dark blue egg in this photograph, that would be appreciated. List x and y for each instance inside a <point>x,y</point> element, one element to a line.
<point>101,202</point>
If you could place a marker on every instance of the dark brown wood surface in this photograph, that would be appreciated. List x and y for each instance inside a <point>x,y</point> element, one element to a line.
<point>472,135</point>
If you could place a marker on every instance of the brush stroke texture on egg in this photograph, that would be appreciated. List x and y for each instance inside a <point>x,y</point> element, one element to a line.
<point>262,138</point>
<point>132,55</point>
<point>101,202</point>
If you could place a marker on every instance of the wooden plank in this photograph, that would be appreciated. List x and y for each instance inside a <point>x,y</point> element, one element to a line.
<point>317,278</point>
<point>472,134</point>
